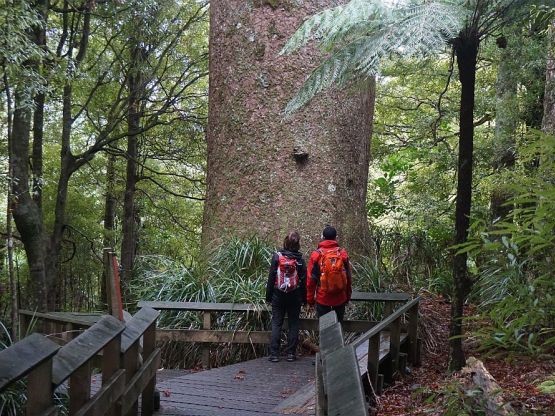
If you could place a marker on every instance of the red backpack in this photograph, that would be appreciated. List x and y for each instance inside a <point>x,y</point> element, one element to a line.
<point>333,273</point>
<point>287,277</point>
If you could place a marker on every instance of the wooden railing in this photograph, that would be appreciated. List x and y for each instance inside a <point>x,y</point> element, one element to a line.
<point>210,310</point>
<point>343,387</point>
<point>46,365</point>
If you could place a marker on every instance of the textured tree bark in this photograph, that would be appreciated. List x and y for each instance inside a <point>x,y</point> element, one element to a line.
<point>26,213</point>
<point>548,121</point>
<point>466,50</point>
<point>506,119</point>
<point>267,175</point>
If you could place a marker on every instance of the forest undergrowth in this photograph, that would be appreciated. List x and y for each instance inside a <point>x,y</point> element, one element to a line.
<point>430,390</point>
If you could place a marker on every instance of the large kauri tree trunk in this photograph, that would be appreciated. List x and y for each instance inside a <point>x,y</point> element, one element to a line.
<point>266,174</point>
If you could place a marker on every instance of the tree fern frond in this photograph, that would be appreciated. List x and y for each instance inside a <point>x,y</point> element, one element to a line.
<point>308,30</point>
<point>337,69</point>
<point>330,24</point>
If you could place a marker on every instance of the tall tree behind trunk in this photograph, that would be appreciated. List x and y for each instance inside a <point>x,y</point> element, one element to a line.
<point>506,120</point>
<point>136,93</point>
<point>14,315</point>
<point>109,217</point>
<point>548,121</point>
<point>466,50</point>
<point>267,175</point>
<point>26,213</point>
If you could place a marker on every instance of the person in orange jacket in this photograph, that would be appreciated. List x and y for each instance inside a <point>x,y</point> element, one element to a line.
<point>317,293</point>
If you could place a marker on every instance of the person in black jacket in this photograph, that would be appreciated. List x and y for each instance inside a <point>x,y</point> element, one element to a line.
<point>286,291</point>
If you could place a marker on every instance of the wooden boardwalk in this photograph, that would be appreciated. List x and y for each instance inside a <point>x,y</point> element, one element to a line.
<point>255,387</point>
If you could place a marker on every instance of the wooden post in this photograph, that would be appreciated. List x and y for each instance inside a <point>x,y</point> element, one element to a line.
<point>321,402</point>
<point>149,344</point>
<point>130,361</point>
<point>39,389</point>
<point>395,344</point>
<point>206,324</point>
<point>79,388</point>
<point>413,335</point>
<point>110,363</point>
<point>373,360</point>
<point>387,309</point>
<point>113,290</point>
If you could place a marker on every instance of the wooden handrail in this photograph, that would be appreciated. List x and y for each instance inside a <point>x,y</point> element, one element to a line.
<point>383,325</point>
<point>124,376</point>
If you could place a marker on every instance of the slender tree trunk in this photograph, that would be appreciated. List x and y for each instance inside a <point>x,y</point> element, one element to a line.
<point>38,115</point>
<point>66,169</point>
<point>9,229</point>
<point>136,92</point>
<point>267,175</point>
<point>506,119</point>
<point>109,217</point>
<point>548,121</point>
<point>466,50</point>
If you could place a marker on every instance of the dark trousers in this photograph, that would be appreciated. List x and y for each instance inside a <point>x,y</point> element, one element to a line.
<point>324,309</point>
<point>282,304</point>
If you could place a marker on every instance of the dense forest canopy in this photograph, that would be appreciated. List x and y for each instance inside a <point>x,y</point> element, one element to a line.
<point>106,140</point>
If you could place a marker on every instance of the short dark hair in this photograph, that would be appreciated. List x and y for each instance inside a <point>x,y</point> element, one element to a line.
<point>329,233</point>
<point>292,241</point>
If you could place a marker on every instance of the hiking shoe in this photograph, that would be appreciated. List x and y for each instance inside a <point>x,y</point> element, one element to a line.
<point>291,357</point>
<point>273,358</point>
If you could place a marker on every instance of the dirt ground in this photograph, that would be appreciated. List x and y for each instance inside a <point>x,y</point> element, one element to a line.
<point>430,390</point>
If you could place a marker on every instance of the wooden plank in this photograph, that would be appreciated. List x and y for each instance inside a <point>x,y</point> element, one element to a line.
<point>111,390</point>
<point>139,381</point>
<point>206,325</point>
<point>39,389</point>
<point>218,336</point>
<point>413,334</point>
<point>343,384</point>
<point>24,356</point>
<point>373,363</point>
<point>51,411</point>
<point>321,402</point>
<point>395,344</point>
<point>147,395</point>
<point>327,320</point>
<point>130,362</point>
<point>385,323</point>
<point>77,352</point>
<point>77,318</point>
<point>298,402</point>
<point>136,326</point>
<point>205,306</point>
<point>331,338</point>
<point>79,388</point>
<point>380,297</point>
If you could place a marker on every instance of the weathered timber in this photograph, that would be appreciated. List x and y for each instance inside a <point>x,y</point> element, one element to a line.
<point>331,338</point>
<point>104,398</point>
<point>386,322</point>
<point>380,297</point>
<point>491,398</point>
<point>204,306</point>
<point>343,384</point>
<point>252,387</point>
<point>149,349</point>
<point>136,326</point>
<point>327,320</point>
<point>137,384</point>
<point>78,351</point>
<point>23,357</point>
<point>80,319</point>
<point>218,336</point>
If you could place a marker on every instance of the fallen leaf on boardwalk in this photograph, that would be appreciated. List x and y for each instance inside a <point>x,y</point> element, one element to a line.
<point>240,375</point>
<point>166,393</point>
